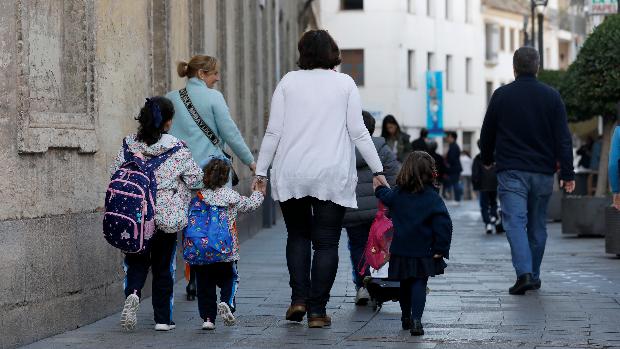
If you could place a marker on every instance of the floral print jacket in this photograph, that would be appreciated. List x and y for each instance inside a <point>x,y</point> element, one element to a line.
<point>236,203</point>
<point>174,177</point>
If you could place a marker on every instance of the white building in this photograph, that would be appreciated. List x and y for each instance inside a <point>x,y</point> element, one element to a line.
<point>388,45</point>
<point>504,22</point>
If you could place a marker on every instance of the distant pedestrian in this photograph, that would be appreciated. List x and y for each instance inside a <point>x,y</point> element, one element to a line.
<point>484,180</point>
<point>211,112</point>
<point>585,153</point>
<point>453,168</point>
<point>398,140</point>
<point>175,176</point>
<point>421,142</point>
<point>525,132</point>
<point>216,194</point>
<point>466,164</point>
<point>440,162</point>
<point>358,221</point>
<point>314,126</point>
<point>422,234</point>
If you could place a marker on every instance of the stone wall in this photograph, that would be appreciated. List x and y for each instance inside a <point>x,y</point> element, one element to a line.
<point>73,74</point>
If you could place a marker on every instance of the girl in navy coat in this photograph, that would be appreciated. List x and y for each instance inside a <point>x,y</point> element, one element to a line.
<point>422,234</point>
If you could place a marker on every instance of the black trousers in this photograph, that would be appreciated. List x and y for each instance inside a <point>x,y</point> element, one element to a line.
<point>209,276</point>
<point>161,259</point>
<point>413,297</point>
<point>316,224</point>
<point>358,237</point>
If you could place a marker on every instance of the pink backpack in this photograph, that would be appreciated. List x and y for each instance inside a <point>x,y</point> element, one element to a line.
<point>377,251</point>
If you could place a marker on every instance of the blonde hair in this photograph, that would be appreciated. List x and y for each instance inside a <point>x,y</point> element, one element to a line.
<point>200,62</point>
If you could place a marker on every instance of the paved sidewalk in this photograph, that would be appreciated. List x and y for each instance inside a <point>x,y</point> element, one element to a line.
<point>469,307</point>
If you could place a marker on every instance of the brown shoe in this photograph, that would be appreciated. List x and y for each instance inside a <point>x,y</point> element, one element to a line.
<point>319,321</point>
<point>296,312</point>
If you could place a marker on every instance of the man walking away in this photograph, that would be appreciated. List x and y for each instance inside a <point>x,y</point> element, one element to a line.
<point>420,143</point>
<point>525,132</point>
<point>453,167</point>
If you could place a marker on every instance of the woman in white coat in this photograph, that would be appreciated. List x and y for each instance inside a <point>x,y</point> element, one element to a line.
<point>314,126</point>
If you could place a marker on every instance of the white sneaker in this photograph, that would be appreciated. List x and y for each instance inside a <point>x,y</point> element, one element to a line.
<point>165,327</point>
<point>208,325</point>
<point>129,319</point>
<point>362,296</point>
<point>489,228</point>
<point>223,310</point>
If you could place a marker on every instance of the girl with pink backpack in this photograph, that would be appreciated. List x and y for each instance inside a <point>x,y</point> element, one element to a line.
<point>422,234</point>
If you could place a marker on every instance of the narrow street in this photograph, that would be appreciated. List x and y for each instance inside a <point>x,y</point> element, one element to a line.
<point>469,307</point>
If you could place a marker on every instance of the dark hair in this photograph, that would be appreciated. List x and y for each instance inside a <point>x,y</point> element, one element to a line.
<point>423,133</point>
<point>317,49</point>
<point>216,174</point>
<point>389,119</point>
<point>525,61</point>
<point>369,121</point>
<point>417,172</point>
<point>453,134</point>
<point>152,118</point>
<point>432,146</point>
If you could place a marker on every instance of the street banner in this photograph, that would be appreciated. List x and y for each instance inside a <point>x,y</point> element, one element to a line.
<point>603,7</point>
<point>434,103</point>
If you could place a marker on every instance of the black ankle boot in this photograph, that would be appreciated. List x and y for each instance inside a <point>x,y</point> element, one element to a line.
<point>406,322</point>
<point>416,328</point>
<point>191,290</point>
<point>524,283</point>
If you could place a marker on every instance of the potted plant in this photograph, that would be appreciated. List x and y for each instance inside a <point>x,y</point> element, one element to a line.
<point>591,88</point>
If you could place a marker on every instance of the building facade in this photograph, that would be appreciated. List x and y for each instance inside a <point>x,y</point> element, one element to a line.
<point>390,45</point>
<point>508,26</point>
<point>73,74</point>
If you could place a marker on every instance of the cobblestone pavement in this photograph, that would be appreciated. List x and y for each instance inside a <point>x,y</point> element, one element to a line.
<point>469,307</point>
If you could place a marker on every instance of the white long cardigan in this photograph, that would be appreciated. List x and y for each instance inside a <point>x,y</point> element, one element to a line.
<point>314,126</point>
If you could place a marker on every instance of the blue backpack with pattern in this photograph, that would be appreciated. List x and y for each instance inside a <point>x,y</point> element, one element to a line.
<point>207,238</point>
<point>129,218</point>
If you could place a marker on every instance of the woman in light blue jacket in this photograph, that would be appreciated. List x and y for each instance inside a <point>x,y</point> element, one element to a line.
<point>202,73</point>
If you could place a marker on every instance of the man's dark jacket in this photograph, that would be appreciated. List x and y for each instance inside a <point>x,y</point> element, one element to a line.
<point>525,128</point>
<point>453,161</point>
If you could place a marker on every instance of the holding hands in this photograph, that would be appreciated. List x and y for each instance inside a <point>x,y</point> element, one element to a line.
<point>378,181</point>
<point>259,184</point>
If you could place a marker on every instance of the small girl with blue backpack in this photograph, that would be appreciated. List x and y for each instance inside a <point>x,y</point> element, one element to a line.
<point>422,234</point>
<point>211,241</point>
<point>146,205</point>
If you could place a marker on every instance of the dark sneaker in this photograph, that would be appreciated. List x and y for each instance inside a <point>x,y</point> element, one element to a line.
<point>319,320</point>
<point>190,290</point>
<point>416,328</point>
<point>406,322</point>
<point>524,283</point>
<point>296,312</point>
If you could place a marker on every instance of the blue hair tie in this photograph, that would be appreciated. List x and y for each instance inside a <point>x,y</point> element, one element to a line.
<point>155,111</point>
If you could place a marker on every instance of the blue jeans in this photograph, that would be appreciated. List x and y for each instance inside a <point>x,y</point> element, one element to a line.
<point>453,183</point>
<point>358,237</point>
<point>524,197</point>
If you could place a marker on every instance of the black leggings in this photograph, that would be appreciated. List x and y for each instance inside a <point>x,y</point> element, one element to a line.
<point>413,297</point>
